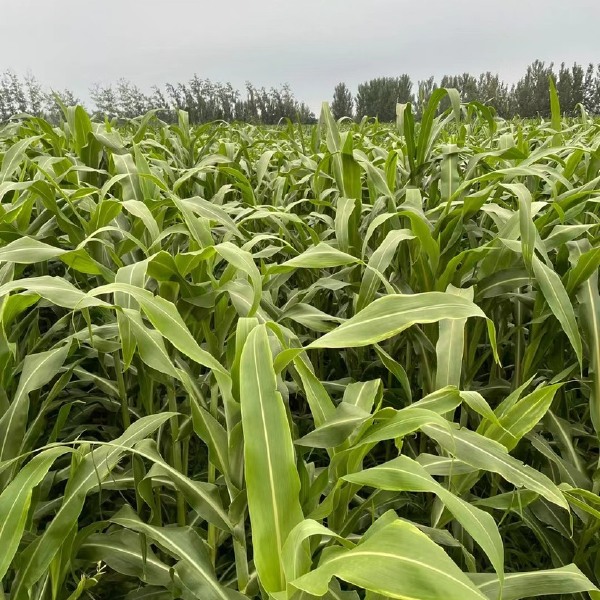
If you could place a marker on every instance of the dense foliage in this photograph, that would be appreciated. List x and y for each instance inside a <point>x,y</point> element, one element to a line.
<point>341,361</point>
<point>202,99</point>
<point>205,100</point>
<point>526,98</point>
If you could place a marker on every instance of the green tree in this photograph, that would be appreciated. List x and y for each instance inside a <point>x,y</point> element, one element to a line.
<point>26,95</point>
<point>105,99</point>
<point>280,103</point>
<point>247,109</point>
<point>159,101</point>
<point>36,98</point>
<point>54,99</point>
<point>131,101</point>
<point>570,87</point>
<point>378,97</point>
<point>343,103</point>
<point>578,76</point>
<point>466,85</point>
<point>491,90</point>
<point>12,96</point>
<point>590,90</point>
<point>531,92</point>
<point>425,88</point>
<point>564,87</point>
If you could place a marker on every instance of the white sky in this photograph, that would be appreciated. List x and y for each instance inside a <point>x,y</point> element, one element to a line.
<point>312,44</point>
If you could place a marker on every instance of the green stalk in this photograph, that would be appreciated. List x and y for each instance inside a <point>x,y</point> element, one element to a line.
<point>177,454</point>
<point>519,342</point>
<point>212,530</point>
<point>122,391</point>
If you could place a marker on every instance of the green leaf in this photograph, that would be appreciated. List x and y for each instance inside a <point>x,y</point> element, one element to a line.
<point>450,345</point>
<point>568,580</point>
<point>589,314</point>
<point>521,418</point>
<point>403,474</point>
<point>397,561</point>
<point>555,118</point>
<point>272,482</point>
<point>378,263</point>
<point>449,177</point>
<point>526,224</point>
<point>140,210</point>
<point>404,421</point>
<point>15,502</point>
<point>28,251</point>
<point>14,156</point>
<point>150,344</point>
<point>243,261</point>
<point>392,314</point>
<point>203,497</point>
<point>321,256</point>
<point>126,553</point>
<point>194,570</point>
<point>321,406</point>
<point>558,300</point>
<point>167,320</point>
<point>295,555</point>
<point>96,466</point>
<point>38,370</point>
<point>488,455</point>
<point>125,165</point>
<point>54,289</point>
<point>337,428</point>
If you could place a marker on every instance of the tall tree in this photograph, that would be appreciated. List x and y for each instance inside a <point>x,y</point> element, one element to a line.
<point>131,101</point>
<point>378,97</point>
<point>578,75</point>
<point>466,85</point>
<point>105,100</point>
<point>54,100</point>
<point>564,87</point>
<point>570,87</point>
<point>205,100</point>
<point>425,88</point>
<point>159,101</point>
<point>36,98</point>
<point>343,103</point>
<point>592,89</point>
<point>12,95</point>
<point>491,90</point>
<point>531,92</point>
<point>247,110</point>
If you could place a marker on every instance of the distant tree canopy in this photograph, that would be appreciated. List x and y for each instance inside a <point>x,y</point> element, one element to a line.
<point>206,100</point>
<point>378,97</point>
<point>26,95</point>
<point>343,103</point>
<point>528,97</point>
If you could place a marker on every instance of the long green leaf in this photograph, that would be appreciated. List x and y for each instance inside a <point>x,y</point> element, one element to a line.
<point>392,314</point>
<point>404,474</point>
<point>488,455</point>
<point>399,562</point>
<point>272,481</point>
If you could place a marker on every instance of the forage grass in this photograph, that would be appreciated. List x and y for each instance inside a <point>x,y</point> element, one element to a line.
<point>347,361</point>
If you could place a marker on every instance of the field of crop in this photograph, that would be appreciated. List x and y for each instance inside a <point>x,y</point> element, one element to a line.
<point>347,361</point>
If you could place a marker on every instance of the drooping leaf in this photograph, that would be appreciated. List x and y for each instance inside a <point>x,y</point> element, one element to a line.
<point>397,561</point>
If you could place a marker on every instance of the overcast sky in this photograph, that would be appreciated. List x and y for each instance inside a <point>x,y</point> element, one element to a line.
<point>311,44</point>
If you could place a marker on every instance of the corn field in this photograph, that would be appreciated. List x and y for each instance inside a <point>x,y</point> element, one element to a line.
<point>345,361</point>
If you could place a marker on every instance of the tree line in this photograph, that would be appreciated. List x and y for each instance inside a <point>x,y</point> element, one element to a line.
<point>527,98</point>
<point>205,100</point>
